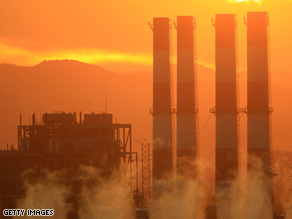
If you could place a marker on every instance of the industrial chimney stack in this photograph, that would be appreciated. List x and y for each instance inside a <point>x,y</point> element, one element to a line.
<point>162,103</point>
<point>258,87</point>
<point>226,110</point>
<point>258,98</point>
<point>187,100</point>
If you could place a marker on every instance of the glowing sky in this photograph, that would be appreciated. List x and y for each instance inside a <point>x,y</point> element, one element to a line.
<point>113,31</point>
<point>246,1</point>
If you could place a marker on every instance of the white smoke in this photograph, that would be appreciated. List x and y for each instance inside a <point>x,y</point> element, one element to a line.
<point>98,196</point>
<point>103,196</point>
<point>47,192</point>
<point>108,196</point>
<point>188,202</point>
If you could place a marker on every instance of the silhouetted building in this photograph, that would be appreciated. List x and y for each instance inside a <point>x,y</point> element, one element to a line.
<point>59,142</point>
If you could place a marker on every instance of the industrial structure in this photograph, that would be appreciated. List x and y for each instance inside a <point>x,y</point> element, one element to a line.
<point>226,109</point>
<point>146,174</point>
<point>259,139</point>
<point>258,87</point>
<point>163,142</point>
<point>187,98</point>
<point>60,142</point>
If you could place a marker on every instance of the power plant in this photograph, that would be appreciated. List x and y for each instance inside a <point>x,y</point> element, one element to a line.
<point>226,110</point>
<point>59,142</point>
<point>65,141</point>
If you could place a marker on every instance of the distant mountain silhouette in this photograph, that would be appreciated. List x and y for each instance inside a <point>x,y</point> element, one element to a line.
<point>68,85</point>
<point>66,65</point>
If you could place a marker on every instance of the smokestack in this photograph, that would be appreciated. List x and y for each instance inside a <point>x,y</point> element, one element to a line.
<point>187,116</point>
<point>227,122</point>
<point>258,87</point>
<point>162,102</point>
<point>258,93</point>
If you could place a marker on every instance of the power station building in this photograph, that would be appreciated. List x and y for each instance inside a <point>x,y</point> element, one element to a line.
<point>60,142</point>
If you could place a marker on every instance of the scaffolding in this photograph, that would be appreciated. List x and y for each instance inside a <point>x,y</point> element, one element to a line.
<point>173,121</point>
<point>146,173</point>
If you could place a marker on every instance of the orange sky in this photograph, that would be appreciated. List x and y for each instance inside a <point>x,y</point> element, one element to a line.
<point>115,34</point>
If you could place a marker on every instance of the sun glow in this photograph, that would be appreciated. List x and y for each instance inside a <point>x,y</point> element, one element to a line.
<point>246,1</point>
<point>23,56</point>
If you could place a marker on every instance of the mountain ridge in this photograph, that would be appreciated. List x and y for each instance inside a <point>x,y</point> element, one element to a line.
<point>70,85</point>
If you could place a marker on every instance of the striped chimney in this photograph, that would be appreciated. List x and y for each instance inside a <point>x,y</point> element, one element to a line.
<point>258,87</point>
<point>227,144</point>
<point>187,116</point>
<point>162,101</point>
<point>259,107</point>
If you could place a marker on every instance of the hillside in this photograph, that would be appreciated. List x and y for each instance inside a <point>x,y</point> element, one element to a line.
<point>66,85</point>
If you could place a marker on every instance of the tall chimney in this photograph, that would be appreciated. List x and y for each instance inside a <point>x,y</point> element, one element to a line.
<point>259,99</point>
<point>227,121</point>
<point>187,99</point>
<point>162,103</point>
